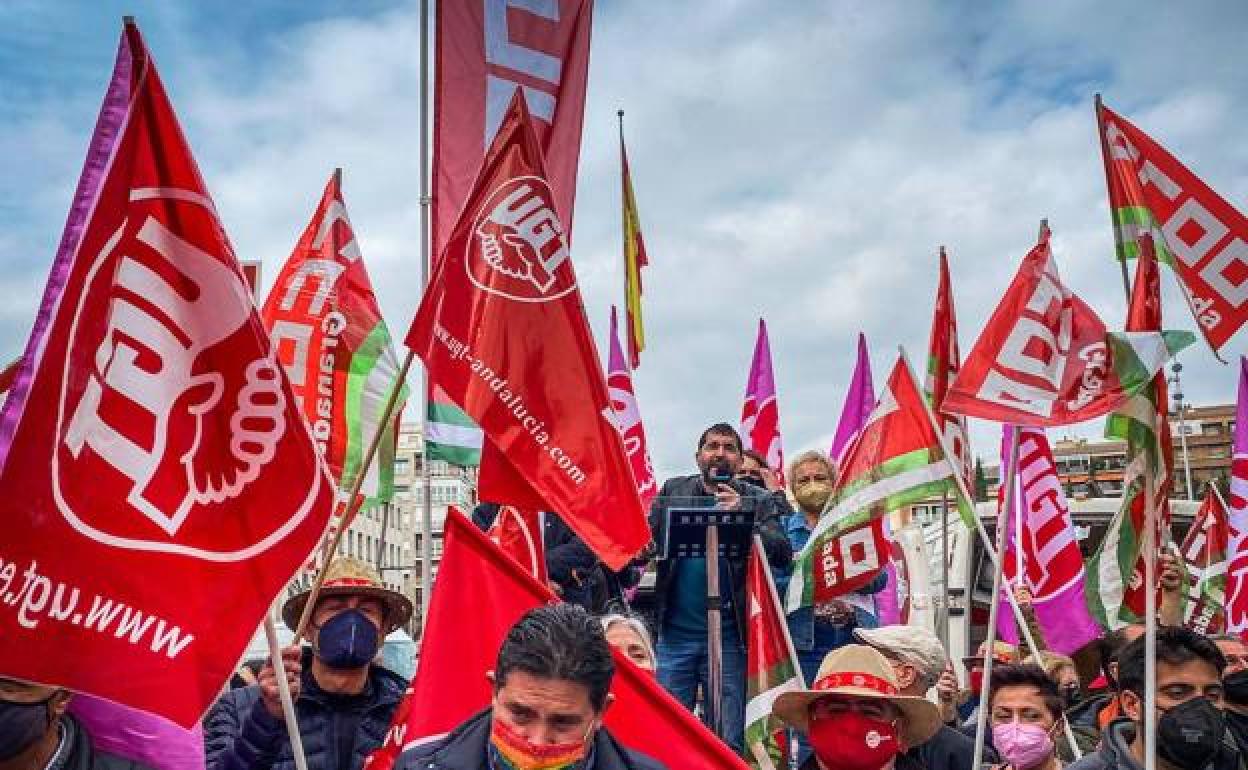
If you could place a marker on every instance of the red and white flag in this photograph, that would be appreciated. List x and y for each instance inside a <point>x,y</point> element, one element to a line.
<point>156,471</point>
<point>1204,552</point>
<point>760,416</point>
<point>502,330</point>
<point>1237,572</point>
<point>1045,358</point>
<point>943,364</point>
<point>518,532</point>
<point>484,52</point>
<point>458,648</point>
<point>1159,206</point>
<point>628,417</point>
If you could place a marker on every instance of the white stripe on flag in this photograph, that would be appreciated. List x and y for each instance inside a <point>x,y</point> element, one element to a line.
<point>879,490</point>
<point>455,435</point>
<point>760,705</point>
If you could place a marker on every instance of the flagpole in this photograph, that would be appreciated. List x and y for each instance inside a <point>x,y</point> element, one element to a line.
<point>1150,626</point>
<point>1100,132</point>
<point>283,693</point>
<point>992,553</point>
<point>426,264</point>
<point>981,713</point>
<point>365,463</point>
<point>942,627</point>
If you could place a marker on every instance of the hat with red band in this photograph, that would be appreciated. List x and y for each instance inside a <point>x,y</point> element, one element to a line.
<point>348,576</point>
<point>859,672</point>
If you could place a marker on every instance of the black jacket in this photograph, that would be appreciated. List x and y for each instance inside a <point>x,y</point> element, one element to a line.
<point>768,523</point>
<point>948,749</point>
<point>904,762</point>
<point>1084,721</point>
<point>82,754</point>
<point>569,562</point>
<point>239,734</point>
<point>1115,751</point>
<point>466,749</point>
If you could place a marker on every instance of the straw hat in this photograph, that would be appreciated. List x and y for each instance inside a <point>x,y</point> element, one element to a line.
<point>859,671</point>
<point>348,576</point>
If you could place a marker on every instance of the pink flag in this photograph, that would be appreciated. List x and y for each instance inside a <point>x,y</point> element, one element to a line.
<point>1237,574</point>
<point>888,603</point>
<point>628,417</point>
<point>1052,563</point>
<point>859,402</point>
<point>139,735</point>
<point>760,417</point>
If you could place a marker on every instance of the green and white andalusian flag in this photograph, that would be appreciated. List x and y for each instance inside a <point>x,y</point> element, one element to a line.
<point>896,460</point>
<point>772,668</point>
<point>453,436</point>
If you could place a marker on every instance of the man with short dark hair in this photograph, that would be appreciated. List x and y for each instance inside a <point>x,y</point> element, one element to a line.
<point>552,685</point>
<point>1089,718</point>
<point>37,732</point>
<point>1235,688</point>
<point>1190,727</point>
<point>680,585</point>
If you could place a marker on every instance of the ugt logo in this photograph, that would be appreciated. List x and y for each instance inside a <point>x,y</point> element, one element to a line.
<point>517,247</point>
<point>177,406</point>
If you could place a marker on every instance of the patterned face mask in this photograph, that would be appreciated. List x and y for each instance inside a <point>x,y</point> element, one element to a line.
<point>512,751</point>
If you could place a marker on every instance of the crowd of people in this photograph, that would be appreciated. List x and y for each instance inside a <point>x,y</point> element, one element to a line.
<point>876,697</point>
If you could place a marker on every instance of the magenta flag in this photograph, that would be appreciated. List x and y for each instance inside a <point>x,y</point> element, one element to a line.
<point>760,416</point>
<point>1237,573</point>
<point>139,736</point>
<point>1052,566</point>
<point>859,402</point>
<point>628,417</point>
<point>887,603</point>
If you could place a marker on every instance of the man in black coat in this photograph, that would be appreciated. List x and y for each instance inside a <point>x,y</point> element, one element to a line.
<point>36,732</point>
<point>343,702</point>
<point>680,584</point>
<point>552,687</point>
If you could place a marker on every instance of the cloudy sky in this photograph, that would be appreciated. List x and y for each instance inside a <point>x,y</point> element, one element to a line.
<point>799,161</point>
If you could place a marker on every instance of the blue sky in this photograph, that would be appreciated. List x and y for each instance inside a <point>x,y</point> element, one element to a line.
<point>802,164</point>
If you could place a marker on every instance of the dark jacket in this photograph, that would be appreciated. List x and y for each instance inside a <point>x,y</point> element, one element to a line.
<point>904,762</point>
<point>948,749</point>
<point>768,523</point>
<point>569,562</point>
<point>239,734</point>
<point>1084,721</point>
<point>466,749</point>
<point>82,754</point>
<point>1115,751</point>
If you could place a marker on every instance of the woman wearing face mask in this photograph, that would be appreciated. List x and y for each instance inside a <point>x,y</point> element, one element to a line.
<point>854,716</point>
<point>1025,712</point>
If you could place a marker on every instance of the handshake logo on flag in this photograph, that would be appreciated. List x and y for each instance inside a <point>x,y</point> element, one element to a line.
<point>519,250</point>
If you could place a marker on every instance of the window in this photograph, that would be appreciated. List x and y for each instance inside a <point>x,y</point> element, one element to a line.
<point>1211,429</point>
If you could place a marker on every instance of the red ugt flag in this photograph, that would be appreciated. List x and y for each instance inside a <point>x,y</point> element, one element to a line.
<point>485,51</point>
<point>156,471</point>
<point>503,331</point>
<point>458,648</point>
<point>760,415</point>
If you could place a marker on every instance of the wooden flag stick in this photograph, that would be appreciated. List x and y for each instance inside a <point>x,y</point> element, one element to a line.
<point>283,692</point>
<point>383,423</point>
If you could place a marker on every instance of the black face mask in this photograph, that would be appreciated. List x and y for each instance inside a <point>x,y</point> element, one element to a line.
<point>1190,734</point>
<point>21,724</point>
<point>1235,687</point>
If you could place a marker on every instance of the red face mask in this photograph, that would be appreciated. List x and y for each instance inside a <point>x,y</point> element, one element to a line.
<point>976,678</point>
<point>850,740</point>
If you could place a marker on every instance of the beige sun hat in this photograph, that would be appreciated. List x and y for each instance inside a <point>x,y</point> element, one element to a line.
<point>859,671</point>
<point>348,576</point>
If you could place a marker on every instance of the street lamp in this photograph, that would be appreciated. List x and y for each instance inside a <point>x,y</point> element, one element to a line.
<point>1180,409</point>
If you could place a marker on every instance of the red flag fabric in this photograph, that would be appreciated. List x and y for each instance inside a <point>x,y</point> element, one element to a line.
<point>1159,206</point>
<point>484,52</point>
<point>1204,552</point>
<point>518,532</point>
<point>158,473</point>
<point>503,331</point>
<point>771,668</point>
<point>458,648</point>
<point>943,364</point>
<point>760,414</point>
<point>1043,358</point>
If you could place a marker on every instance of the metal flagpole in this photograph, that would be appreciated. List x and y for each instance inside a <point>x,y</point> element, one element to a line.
<point>981,716</point>
<point>989,549</point>
<point>1150,626</point>
<point>942,627</point>
<point>426,262</point>
<point>1180,409</point>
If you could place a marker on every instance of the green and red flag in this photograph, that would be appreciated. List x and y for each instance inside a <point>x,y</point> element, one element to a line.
<point>1205,560</point>
<point>1115,580</point>
<point>327,329</point>
<point>897,460</point>
<point>943,363</point>
<point>1160,207</point>
<point>772,667</point>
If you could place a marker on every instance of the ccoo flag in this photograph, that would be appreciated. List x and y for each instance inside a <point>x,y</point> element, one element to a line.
<point>760,415</point>
<point>155,468</point>
<point>502,330</point>
<point>1160,207</point>
<point>327,329</point>
<point>1045,358</point>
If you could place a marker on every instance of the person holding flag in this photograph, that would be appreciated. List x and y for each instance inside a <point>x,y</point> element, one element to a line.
<point>551,687</point>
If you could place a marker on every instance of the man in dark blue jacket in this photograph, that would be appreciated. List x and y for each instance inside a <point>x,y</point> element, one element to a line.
<point>343,702</point>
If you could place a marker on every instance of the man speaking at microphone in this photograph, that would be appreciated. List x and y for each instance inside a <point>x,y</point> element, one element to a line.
<point>680,584</point>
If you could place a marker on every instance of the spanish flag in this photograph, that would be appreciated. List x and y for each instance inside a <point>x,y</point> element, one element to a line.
<point>634,260</point>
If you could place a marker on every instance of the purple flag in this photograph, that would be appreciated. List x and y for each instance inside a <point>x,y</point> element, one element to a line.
<point>859,402</point>
<point>1237,516</point>
<point>887,603</point>
<point>139,736</point>
<point>1052,566</point>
